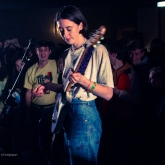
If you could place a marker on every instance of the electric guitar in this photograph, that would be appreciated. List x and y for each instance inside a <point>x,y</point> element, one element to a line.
<point>62,99</point>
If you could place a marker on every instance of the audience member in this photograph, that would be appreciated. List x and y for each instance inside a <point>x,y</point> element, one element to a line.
<point>153,117</point>
<point>124,103</point>
<point>140,36</point>
<point>16,67</point>
<point>157,91</point>
<point>11,99</point>
<point>52,48</point>
<point>40,109</point>
<point>140,62</point>
<point>126,84</point>
<point>13,43</point>
<point>10,48</point>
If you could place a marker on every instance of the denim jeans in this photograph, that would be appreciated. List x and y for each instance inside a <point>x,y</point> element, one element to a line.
<point>82,133</point>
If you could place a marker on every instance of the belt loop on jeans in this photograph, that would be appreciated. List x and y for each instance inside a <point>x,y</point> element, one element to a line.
<point>43,106</point>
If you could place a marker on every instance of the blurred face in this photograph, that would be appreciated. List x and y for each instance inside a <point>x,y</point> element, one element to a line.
<point>43,53</point>
<point>69,31</point>
<point>155,81</point>
<point>136,56</point>
<point>19,64</point>
<point>112,57</point>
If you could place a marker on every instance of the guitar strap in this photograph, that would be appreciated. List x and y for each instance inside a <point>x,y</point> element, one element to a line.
<point>83,65</point>
<point>85,60</point>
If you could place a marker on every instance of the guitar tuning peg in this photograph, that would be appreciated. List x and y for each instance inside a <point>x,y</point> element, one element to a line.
<point>98,42</point>
<point>94,46</point>
<point>102,38</point>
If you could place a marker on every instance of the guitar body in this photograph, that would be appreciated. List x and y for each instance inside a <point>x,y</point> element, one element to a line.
<point>59,113</point>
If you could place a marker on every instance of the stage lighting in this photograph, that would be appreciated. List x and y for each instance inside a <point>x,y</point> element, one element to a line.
<point>161,4</point>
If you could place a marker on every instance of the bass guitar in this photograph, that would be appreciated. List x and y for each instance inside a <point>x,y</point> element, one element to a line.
<point>63,99</point>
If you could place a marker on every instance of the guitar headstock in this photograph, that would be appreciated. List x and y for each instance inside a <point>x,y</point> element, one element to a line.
<point>96,36</point>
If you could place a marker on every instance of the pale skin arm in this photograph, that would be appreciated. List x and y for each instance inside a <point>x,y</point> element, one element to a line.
<point>100,90</point>
<point>39,91</point>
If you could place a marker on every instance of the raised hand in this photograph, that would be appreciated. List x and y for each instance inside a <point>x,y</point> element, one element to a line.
<point>38,91</point>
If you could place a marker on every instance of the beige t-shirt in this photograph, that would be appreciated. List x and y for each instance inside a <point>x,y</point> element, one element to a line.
<point>98,70</point>
<point>35,76</point>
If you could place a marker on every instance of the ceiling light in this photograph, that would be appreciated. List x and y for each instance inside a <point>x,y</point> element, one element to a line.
<point>161,4</point>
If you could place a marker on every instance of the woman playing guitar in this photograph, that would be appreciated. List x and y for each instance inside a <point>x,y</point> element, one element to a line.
<point>82,125</point>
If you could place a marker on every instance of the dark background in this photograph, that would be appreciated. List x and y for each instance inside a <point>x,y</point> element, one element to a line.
<point>34,19</point>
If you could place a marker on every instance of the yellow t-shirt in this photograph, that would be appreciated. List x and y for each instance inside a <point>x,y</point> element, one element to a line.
<point>35,76</point>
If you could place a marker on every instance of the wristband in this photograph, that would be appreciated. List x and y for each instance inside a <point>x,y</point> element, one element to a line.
<point>92,88</point>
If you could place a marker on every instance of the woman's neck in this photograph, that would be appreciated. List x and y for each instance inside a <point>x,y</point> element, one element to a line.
<point>81,41</point>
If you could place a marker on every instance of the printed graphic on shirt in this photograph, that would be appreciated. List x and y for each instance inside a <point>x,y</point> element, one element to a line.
<point>44,79</point>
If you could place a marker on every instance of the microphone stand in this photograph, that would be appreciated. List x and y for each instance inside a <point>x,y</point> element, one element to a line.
<point>6,108</point>
<point>5,119</point>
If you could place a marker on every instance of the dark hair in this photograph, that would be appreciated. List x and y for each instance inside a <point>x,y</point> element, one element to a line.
<point>120,48</point>
<point>136,44</point>
<point>42,43</point>
<point>72,13</point>
<point>160,70</point>
<point>18,56</point>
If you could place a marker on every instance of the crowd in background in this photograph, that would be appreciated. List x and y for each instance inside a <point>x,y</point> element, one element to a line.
<point>14,63</point>
<point>133,120</point>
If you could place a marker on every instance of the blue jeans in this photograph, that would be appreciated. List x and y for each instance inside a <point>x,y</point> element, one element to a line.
<point>82,133</point>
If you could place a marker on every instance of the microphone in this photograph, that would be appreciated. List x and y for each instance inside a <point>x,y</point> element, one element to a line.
<point>32,42</point>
